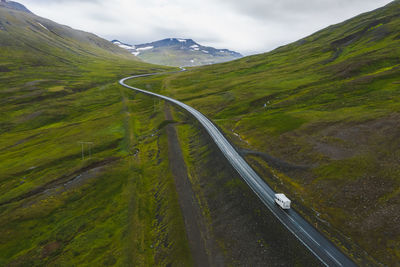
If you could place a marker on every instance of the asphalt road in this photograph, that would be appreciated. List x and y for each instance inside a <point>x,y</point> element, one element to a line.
<point>320,246</point>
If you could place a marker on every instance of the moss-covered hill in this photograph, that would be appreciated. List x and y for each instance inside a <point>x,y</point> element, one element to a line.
<point>329,106</point>
<point>118,205</point>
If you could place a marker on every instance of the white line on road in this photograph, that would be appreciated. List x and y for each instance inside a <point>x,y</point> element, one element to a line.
<point>254,181</point>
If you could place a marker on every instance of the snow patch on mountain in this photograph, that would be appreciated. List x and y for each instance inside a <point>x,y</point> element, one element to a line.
<point>179,49</point>
<point>130,48</point>
<point>126,46</point>
<point>144,48</point>
<point>41,25</point>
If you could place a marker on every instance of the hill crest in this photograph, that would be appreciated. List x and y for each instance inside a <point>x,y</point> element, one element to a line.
<point>14,5</point>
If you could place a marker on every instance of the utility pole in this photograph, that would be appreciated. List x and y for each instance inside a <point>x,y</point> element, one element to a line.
<point>90,144</point>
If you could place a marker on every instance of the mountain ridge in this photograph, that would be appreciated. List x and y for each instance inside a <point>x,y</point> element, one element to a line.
<point>179,52</point>
<point>29,34</point>
<point>14,5</point>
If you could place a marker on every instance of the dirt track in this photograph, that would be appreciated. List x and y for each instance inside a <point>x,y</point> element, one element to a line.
<point>237,223</point>
<point>202,245</point>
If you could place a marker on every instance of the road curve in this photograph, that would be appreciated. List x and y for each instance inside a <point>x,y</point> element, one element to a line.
<point>320,246</point>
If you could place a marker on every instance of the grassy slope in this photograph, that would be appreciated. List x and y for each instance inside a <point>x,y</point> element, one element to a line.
<point>229,206</point>
<point>58,87</point>
<point>332,105</point>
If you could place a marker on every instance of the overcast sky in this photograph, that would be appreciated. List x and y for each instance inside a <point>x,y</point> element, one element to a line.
<point>247,26</point>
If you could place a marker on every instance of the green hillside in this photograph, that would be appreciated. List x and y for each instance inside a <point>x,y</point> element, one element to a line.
<point>58,87</point>
<point>325,114</point>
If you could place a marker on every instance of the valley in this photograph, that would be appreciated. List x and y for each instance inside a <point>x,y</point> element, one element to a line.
<point>331,109</point>
<point>324,250</point>
<point>96,174</point>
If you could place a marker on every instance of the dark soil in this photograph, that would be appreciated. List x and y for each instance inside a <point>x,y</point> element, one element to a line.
<point>247,233</point>
<point>50,248</point>
<point>202,245</point>
<point>3,68</point>
<point>67,180</point>
<point>273,161</point>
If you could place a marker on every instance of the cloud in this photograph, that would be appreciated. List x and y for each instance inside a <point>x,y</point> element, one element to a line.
<point>51,2</point>
<point>250,26</point>
<point>294,9</point>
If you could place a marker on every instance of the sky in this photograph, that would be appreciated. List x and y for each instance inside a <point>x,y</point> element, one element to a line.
<point>246,26</point>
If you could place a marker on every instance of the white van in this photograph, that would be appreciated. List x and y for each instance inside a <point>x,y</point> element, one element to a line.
<point>282,201</point>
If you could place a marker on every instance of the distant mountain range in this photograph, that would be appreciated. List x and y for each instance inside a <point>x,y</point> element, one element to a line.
<point>179,52</point>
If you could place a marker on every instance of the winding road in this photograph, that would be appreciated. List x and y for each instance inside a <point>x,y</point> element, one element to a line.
<point>319,245</point>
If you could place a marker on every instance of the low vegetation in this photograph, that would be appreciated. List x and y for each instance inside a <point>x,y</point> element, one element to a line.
<point>110,202</point>
<point>329,104</point>
<point>243,231</point>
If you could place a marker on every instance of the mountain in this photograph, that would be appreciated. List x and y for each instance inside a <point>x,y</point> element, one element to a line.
<point>31,36</point>
<point>319,119</point>
<point>14,5</point>
<point>179,52</point>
